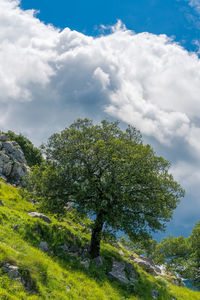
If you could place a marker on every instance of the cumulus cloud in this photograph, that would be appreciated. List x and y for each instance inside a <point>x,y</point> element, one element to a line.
<point>49,77</point>
<point>142,79</point>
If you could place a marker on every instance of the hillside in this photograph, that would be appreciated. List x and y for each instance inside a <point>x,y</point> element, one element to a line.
<point>61,269</point>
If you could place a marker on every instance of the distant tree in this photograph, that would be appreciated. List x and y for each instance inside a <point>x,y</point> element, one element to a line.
<point>143,245</point>
<point>109,173</point>
<point>175,253</point>
<point>195,253</point>
<point>32,154</point>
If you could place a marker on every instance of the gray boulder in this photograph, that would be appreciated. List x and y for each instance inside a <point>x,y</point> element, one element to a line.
<point>35,214</point>
<point>3,137</point>
<point>123,272</point>
<point>43,246</point>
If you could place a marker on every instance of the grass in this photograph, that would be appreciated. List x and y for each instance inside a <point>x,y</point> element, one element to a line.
<point>56,275</point>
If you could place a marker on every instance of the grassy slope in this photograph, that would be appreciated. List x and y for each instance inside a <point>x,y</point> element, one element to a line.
<point>57,275</point>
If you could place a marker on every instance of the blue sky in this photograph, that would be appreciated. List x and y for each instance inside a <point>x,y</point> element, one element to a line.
<point>133,61</point>
<point>172,17</point>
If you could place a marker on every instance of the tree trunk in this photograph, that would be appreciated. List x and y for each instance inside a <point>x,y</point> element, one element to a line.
<point>96,235</point>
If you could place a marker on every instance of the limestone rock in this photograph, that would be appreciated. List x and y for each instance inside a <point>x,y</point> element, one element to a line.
<point>13,165</point>
<point>35,214</point>
<point>118,272</point>
<point>43,246</point>
<point>12,271</point>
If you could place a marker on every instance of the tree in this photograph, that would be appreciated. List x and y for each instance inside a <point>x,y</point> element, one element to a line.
<point>175,253</point>
<point>109,173</point>
<point>143,245</point>
<point>32,154</point>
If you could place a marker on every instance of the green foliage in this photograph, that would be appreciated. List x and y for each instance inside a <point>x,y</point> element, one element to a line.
<point>32,154</point>
<point>143,246</point>
<point>175,252</point>
<point>109,173</point>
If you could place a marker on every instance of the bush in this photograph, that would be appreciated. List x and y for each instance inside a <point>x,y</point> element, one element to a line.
<point>32,154</point>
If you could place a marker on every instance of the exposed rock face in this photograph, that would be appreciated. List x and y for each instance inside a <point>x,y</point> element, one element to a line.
<point>123,272</point>
<point>13,165</point>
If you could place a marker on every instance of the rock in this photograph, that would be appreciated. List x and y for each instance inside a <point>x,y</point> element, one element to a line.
<point>154,294</point>
<point>24,278</point>
<point>1,203</point>
<point>130,271</point>
<point>118,271</point>
<point>13,165</point>
<point>8,146</point>
<point>41,216</point>
<point>98,261</point>
<point>43,246</point>
<point>85,263</point>
<point>3,137</point>
<point>163,270</point>
<point>12,271</point>
<point>147,265</point>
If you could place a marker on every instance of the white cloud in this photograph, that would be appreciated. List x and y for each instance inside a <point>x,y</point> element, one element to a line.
<point>143,79</point>
<point>50,77</point>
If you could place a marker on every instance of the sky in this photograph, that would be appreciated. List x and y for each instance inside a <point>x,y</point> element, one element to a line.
<point>133,61</point>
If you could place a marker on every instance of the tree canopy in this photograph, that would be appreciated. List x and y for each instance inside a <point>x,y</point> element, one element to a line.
<point>110,174</point>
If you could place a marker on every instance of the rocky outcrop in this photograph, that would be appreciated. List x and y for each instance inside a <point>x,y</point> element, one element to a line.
<point>148,265</point>
<point>13,165</point>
